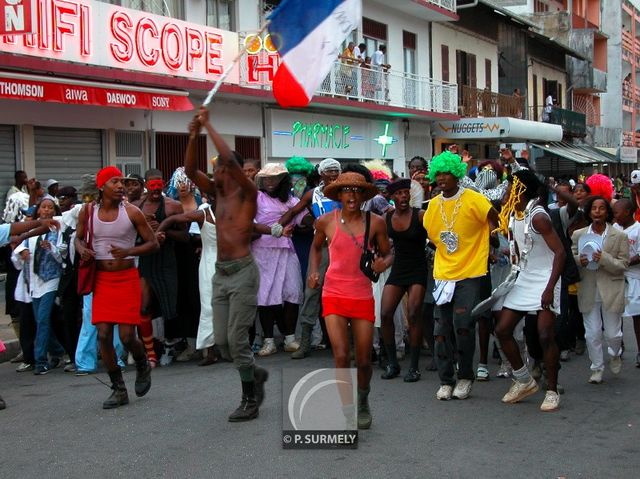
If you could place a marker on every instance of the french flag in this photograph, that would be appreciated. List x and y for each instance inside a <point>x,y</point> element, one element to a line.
<point>308,36</point>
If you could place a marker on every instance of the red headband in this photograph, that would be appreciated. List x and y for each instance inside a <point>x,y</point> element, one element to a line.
<point>105,174</point>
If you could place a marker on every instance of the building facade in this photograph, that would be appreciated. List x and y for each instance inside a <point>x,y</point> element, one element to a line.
<point>116,82</point>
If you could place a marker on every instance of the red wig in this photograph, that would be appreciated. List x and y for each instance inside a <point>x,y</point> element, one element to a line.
<point>601,186</point>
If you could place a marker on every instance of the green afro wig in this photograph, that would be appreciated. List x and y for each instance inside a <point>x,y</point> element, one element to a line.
<point>447,162</point>
<point>298,165</point>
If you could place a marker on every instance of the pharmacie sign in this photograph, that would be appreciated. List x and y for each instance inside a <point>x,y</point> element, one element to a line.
<point>101,34</point>
<point>320,136</point>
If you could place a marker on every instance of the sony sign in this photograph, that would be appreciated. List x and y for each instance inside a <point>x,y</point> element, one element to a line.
<point>18,17</point>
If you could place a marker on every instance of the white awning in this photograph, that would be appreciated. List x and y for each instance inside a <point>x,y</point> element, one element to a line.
<point>583,154</point>
<point>505,129</point>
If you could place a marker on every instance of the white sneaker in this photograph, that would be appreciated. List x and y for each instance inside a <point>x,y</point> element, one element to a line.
<point>462,389</point>
<point>615,364</point>
<point>444,393</point>
<point>596,376</point>
<point>518,391</point>
<point>268,347</point>
<point>24,367</point>
<point>551,402</point>
<point>290,344</point>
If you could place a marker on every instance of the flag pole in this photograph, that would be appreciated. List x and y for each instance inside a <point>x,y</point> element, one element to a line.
<point>228,69</point>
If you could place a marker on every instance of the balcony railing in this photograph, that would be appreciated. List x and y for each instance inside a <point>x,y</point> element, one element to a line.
<point>631,138</point>
<point>450,5</point>
<point>398,89</point>
<point>484,103</point>
<point>573,124</point>
<point>630,95</point>
<point>628,42</point>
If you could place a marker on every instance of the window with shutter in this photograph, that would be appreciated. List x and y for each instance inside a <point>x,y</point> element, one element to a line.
<point>461,61</point>
<point>170,148</point>
<point>471,70</point>
<point>248,147</point>
<point>373,29</point>
<point>487,73</point>
<point>444,58</point>
<point>535,97</point>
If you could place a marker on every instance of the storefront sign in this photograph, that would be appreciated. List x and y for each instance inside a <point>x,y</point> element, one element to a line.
<point>500,128</point>
<point>320,136</point>
<point>80,94</point>
<point>628,154</point>
<point>16,17</point>
<point>106,35</point>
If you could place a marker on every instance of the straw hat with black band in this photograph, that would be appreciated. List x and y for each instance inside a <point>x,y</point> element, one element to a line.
<point>354,180</point>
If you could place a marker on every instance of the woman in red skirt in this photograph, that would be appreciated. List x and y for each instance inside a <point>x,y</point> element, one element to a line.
<point>116,293</point>
<point>347,294</point>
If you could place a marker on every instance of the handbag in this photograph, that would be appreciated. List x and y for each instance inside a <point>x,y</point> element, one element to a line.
<point>87,268</point>
<point>368,256</point>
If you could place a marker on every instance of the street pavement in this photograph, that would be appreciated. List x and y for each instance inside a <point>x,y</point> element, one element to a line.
<point>54,427</point>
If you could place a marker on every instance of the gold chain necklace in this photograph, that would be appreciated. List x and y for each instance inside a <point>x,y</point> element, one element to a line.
<point>448,237</point>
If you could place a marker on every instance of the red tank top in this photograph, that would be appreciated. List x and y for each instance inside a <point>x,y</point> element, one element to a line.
<point>344,278</point>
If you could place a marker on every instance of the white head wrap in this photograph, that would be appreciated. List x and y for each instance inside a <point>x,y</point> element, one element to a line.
<point>329,164</point>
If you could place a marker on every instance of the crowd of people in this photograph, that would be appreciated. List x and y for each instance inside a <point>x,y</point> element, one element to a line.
<point>258,258</point>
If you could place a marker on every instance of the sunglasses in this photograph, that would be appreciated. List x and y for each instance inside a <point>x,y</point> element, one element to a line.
<point>351,189</point>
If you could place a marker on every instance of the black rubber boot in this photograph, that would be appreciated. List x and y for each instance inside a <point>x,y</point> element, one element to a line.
<point>305,343</point>
<point>260,375</point>
<point>119,396</point>
<point>364,413</point>
<point>248,408</point>
<point>143,377</point>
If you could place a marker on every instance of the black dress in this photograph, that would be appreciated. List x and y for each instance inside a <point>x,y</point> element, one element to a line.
<point>409,262</point>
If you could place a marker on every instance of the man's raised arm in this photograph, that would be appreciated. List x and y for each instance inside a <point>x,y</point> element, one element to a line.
<point>226,157</point>
<point>199,177</point>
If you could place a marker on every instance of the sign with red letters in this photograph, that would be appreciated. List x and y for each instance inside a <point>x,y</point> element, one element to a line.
<point>17,17</point>
<point>89,94</point>
<point>101,34</point>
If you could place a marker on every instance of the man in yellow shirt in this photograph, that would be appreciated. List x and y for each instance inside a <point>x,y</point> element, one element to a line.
<point>458,222</point>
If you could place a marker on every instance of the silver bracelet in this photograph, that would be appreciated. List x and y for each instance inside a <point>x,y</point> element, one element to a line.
<point>276,230</point>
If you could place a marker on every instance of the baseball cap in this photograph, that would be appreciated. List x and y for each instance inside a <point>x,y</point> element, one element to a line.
<point>635,177</point>
<point>134,176</point>
<point>50,182</point>
<point>67,191</point>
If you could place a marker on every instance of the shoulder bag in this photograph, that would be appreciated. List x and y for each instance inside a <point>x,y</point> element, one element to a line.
<point>87,268</point>
<point>368,256</point>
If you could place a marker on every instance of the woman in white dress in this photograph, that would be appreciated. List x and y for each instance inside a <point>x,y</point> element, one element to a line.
<point>203,223</point>
<point>537,250</point>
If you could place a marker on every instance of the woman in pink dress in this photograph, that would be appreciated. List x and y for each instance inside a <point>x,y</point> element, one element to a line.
<point>347,294</point>
<point>280,292</point>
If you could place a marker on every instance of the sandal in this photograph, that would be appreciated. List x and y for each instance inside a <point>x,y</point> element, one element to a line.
<point>482,373</point>
<point>208,360</point>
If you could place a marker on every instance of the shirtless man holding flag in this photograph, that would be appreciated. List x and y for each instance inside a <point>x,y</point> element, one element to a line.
<point>236,280</point>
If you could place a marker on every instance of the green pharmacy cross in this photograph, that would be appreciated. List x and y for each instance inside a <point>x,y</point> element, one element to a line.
<point>385,140</point>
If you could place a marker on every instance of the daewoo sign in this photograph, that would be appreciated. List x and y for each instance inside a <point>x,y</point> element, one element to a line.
<point>101,34</point>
